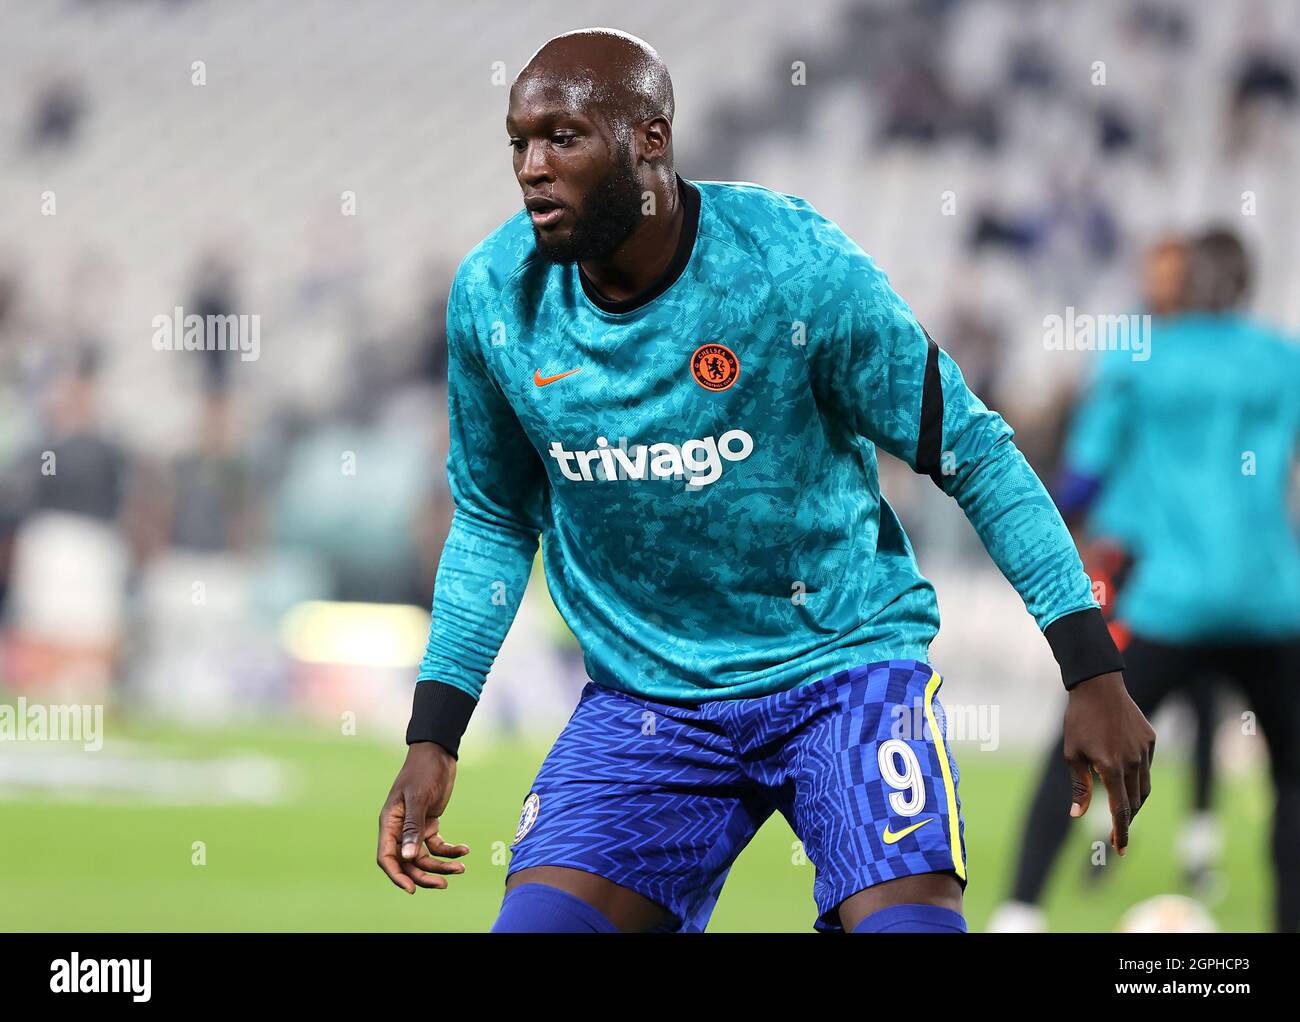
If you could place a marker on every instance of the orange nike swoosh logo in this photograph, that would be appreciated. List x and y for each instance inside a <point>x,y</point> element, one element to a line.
<point>890,837</point>
<point>542,381</point>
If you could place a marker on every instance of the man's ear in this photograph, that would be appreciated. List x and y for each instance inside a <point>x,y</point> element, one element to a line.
<point>657,138</point>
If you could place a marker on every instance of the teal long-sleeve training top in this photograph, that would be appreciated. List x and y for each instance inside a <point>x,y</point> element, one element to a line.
<point>699,464</point>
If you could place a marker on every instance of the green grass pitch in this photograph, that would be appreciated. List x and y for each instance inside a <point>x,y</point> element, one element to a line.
<point>307,863</point>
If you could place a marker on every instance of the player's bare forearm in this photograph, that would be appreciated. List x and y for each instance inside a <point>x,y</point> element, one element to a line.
<point>411,818</point>
<point>1105,732</point>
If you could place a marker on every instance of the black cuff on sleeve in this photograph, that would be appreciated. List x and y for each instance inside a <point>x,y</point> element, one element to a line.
<point>1083,647</point>
<point>440,714</point>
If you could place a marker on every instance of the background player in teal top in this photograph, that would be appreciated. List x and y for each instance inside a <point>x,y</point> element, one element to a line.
<point>679,387</point>
<point>1107,499</point>
<point>1193,451</point>
<point>1208,426</point>
<point>1104,510</point>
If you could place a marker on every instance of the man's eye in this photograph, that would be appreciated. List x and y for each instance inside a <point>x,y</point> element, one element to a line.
<point>561,140</point>
<point>516,144</point>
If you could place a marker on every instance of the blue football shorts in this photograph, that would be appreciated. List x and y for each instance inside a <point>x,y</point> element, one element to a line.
<point>661,797</point>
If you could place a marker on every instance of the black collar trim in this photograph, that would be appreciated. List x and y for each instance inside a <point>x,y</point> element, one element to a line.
<point>690,199</point>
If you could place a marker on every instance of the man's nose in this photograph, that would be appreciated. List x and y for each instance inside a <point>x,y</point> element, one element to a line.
<point>534,166</point>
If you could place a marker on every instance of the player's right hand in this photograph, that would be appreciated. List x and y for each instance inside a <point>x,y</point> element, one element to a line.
<point>411,851</point>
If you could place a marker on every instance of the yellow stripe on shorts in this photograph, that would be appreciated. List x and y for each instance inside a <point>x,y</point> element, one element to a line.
<point>954,834</point>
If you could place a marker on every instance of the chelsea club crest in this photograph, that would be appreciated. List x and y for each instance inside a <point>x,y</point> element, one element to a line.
<point>528,816</point>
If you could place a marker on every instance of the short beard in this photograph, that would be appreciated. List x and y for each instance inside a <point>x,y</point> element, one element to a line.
<point>609,214</point>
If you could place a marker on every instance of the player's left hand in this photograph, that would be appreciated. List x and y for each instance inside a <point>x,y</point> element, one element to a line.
<point>1106,733</point>
<point>410,820</point>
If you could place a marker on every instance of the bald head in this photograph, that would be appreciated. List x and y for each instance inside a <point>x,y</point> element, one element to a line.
<point>603,72</point>
<point>590,123</point>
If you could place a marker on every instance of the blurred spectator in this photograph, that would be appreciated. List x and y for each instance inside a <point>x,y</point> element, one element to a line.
<point>77,470</point>
<point>212,499</point>
<point>69,565</point>
<point>56,115</point>
<point>214,294</point>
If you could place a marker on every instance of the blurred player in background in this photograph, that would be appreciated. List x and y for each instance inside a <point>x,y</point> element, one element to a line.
<point>750,609</point>
<point>1101,515</point>
<point>1185,463</point>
